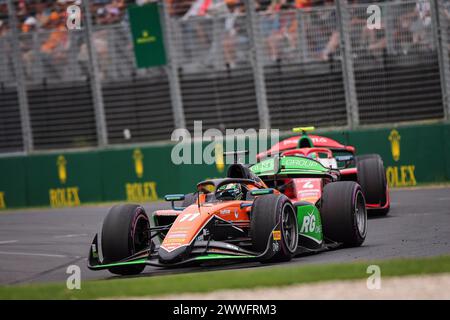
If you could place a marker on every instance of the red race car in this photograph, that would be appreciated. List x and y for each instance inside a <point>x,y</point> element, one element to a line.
<point>367,170</point>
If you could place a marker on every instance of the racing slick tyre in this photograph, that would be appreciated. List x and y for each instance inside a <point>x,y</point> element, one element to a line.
<point>367,156</point>
<point>124,232</point>
<point>372,179</point>
<point>189,199</point>
<point>270,212</point>
<point>343,213</point>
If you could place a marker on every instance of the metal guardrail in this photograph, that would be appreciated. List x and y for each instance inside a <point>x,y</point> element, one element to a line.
<point>240,69</point>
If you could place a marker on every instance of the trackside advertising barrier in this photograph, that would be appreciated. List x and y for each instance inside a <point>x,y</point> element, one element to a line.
<point>412,155</point>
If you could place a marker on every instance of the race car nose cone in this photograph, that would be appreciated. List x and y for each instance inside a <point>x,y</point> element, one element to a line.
<point>173,255</point>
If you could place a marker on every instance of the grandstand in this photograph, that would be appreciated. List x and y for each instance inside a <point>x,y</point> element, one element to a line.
<point>232,64</point>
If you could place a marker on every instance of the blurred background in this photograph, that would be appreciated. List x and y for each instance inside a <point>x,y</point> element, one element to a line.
<point>81,123</point>
<point>232,64</point>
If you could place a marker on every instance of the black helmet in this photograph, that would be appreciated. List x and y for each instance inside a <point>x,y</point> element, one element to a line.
<point>231,191</point>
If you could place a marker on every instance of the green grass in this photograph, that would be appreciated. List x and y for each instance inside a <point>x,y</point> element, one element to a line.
<point>231,279</point>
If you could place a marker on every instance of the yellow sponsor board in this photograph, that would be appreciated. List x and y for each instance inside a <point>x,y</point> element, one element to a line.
<point>64,197</point>
<point>401,176</point>
<point>2,200</point>
<point>141,191</point>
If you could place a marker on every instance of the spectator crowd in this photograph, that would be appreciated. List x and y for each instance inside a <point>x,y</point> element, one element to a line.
<point>51,14</point>
<point>278,26</point>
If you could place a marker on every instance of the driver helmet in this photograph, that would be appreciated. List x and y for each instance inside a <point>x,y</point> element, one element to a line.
<point>230,191</point>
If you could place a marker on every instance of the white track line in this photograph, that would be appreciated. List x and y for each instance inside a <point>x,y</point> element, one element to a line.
<point>34,254</point>
<point>71,236</point>
<point>8,241</point>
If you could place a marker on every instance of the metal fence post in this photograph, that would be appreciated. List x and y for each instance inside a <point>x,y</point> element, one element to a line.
<point>351,99</point>
<point>95,81</point>
<point>388,19</point>
<point>172,67</point>
<point>257,64</point>
<point>112,50</point>
<point>440,35</point>
<point>27,134</point>
<point>302,46</point>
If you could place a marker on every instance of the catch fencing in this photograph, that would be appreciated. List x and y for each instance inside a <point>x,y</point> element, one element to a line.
<point>246,68</point>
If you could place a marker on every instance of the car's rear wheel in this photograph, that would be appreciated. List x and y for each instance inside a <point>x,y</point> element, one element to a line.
<point>367,156</point>
<point>372,178</point>
<point>344,214</point>
<point>274,213</point>
<point>124,232</point>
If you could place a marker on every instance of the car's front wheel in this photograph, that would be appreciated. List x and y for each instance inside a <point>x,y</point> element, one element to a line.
<point>273,219</point>
<point>344,214</point>
<point>124,232</point>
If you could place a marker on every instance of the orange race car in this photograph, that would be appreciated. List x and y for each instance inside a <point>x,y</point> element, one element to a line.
<point>237,218</point>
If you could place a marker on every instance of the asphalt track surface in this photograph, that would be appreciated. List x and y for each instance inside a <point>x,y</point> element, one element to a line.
<point>38,245</point>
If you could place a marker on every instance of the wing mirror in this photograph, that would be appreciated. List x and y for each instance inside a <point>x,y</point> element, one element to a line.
<point>347,159</point>
<point>174,197</point>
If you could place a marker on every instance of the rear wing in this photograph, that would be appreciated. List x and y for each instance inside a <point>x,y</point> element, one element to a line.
<point>291,166</point>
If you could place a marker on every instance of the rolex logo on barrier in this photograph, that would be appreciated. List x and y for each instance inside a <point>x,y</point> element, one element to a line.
<point>394,138</point>
<point>140,191</point>
<point>218,151</point>
<point>65,196</point>
<point>403,175</point>
<point>138,158</point>
<point>62,170</point>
